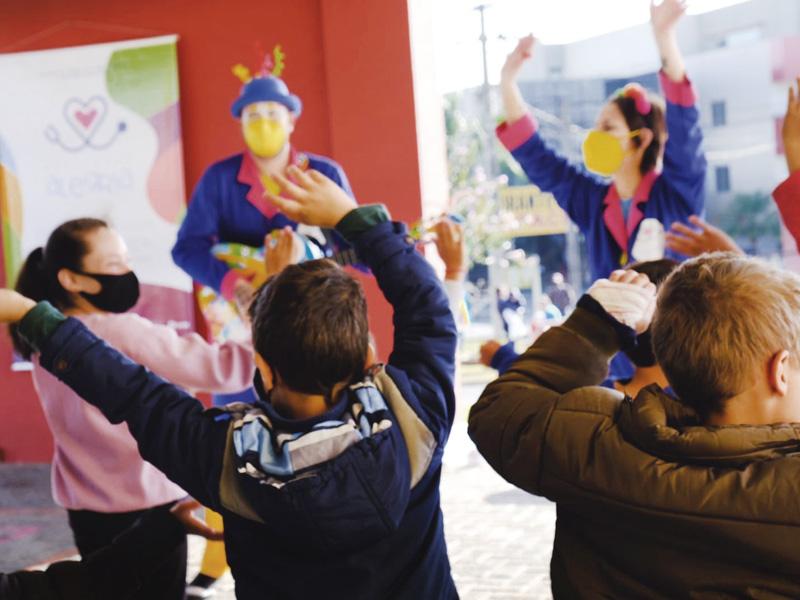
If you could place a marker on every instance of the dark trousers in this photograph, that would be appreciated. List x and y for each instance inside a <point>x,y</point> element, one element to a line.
<point>94,530</point>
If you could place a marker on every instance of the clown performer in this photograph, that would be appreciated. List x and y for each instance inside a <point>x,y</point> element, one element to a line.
<point>229,208</point>
<point>646,167</point>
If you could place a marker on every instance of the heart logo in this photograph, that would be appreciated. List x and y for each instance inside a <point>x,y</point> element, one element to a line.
<point>85,116</point>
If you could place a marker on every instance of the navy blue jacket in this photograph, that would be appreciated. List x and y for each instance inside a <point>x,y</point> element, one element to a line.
<point>363,523</point>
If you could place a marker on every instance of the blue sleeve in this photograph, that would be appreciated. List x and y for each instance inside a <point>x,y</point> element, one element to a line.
<point>504,358</point>
<point>424,329</point>
<point>198,234</point>
<point>684,160</point>
<point>170,427</point>
<point>575,190</point>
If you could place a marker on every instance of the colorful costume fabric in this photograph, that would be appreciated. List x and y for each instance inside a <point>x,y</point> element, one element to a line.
<point>594,204</point>
<point>228,206</point>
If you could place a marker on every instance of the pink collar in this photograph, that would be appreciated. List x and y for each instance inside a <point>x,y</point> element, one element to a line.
<point>613,216</point>
<point>250,175</point>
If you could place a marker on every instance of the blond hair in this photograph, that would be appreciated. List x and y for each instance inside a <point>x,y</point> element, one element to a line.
<point>718,318</point>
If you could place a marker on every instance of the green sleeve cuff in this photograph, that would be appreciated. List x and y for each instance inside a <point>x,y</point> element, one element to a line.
<point>40,323</point>
<point>361,219</point>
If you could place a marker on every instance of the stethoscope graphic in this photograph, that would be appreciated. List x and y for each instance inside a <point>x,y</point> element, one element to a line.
<point>85,119</point>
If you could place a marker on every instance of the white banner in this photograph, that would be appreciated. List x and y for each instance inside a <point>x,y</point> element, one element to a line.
<point>94,131</point>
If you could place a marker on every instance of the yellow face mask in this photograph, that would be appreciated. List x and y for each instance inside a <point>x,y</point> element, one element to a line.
<point>603,153</point>
<point>265,137</point>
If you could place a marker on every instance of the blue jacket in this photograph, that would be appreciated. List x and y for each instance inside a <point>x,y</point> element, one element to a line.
<point>227,206</point>
<point>673,195</point>
<point>362,519</point>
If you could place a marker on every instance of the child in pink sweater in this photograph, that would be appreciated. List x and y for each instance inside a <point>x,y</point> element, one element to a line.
<point>97,472</point>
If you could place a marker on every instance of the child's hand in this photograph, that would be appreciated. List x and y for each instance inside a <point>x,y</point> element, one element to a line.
<point>517,58</point>
<point>13,306</point>
<point>183,510</point>
<point>791,129</point>
<point>278,250</point>
<point>313,198</point>
<point>707,238</point>
<point>488,350</point>
<point>243,292</point>
<point>627,296</point>
<point>451,247</point>
<point>664,16</point>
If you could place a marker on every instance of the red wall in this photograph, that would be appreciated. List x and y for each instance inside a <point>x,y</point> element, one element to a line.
<point>349,60</point>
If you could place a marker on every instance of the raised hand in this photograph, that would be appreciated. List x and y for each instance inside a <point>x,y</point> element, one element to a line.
<point>451,247</point>
<point>517,58</point>
<point>791,129</point>
<point>665,15</point>
<point>627,296</point>
<point>279,250</point>
<point>13,306</point>
<point>706,238</point>
<point>183,510</point>
<point>313,199</point>
<point>488,350</point>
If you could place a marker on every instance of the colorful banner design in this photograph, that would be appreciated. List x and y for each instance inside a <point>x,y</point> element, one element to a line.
<point>527,210</point>
<point>94,131</point>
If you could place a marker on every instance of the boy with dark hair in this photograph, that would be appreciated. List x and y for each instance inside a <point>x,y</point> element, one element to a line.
<point>660,498</point>
<point>329,485</point>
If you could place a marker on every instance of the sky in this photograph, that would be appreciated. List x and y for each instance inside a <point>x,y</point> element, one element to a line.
<point>457,29</point>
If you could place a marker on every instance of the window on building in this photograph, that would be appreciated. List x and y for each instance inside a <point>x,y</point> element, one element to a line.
<point>723,175</point>
<point>718,117</point>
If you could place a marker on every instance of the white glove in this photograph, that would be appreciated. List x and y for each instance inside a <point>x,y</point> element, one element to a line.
<point>629,303</point>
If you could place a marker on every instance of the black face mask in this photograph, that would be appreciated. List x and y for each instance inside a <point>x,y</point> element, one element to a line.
<point>119,293</point>
<point>642,354</point>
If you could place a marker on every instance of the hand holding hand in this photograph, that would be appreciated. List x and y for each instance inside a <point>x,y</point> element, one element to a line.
<point>451,247</point>
<point>706,238</point>
<point>628,296</point>
<point>313,199</point>
<point>13,306</point>
<point>518,56</point>
<point>183,510</point>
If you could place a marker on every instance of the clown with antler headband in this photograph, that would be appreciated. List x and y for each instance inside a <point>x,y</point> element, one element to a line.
<point>230,203</point>
<point>230,218</point>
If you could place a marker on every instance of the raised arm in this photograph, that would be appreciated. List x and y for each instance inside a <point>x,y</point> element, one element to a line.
<point>787,194</point>
<point>509,423</point>
<point>425,333</point>
<point>170,427</point>
<point>685,163</point>
<point>572,187</point>
<point>187,361</point>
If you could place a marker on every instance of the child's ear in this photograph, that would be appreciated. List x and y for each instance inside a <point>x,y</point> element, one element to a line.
<point>266,372</point>
<point>778,373</point>
<point>372,357</point>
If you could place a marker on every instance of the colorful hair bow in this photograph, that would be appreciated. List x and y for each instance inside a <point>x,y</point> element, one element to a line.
<point>639,96</point>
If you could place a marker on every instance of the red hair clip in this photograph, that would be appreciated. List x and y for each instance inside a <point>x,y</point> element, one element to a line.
<point>639,96</point>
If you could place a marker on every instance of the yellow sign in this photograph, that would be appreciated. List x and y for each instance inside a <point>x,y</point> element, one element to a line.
<point>526,210</point>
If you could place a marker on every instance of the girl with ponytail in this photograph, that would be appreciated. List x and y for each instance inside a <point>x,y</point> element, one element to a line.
<point>97,472</point>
